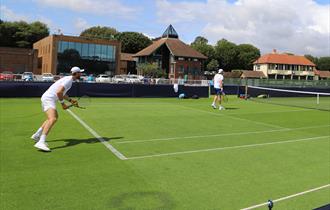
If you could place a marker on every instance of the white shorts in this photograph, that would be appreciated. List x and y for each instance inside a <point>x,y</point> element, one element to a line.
<point>48,103</point>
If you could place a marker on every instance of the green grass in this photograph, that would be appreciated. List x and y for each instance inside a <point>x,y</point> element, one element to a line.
<point>81,173</point>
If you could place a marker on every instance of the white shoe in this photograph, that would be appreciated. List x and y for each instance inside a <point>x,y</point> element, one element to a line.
<point>35,137</point>
<point>221,108</point>
<point>42,146</point>
<point>214,106</point>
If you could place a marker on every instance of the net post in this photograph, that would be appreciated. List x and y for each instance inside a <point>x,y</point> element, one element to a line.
<point>318,99</point>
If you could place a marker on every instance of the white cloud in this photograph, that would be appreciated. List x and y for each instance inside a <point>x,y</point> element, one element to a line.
<point>96,7</point>
<point>9,15</point>
<point>81,24</point>
<point>298,26</point>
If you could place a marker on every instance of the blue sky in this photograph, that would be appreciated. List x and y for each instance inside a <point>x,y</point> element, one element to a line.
<point>151,17</point>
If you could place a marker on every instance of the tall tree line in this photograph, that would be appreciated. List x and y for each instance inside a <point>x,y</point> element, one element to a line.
<point>21,34</point>
<point>226,55</point>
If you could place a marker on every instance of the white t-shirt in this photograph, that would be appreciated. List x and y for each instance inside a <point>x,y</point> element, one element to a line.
<point>217,79</point>
<point>66,82</point>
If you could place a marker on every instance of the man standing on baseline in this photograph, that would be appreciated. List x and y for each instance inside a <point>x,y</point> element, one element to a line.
<point>56,92</point>
<point>218,87</point>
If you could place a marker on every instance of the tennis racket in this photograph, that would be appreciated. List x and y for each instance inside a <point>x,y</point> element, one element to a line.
<point>82,102</point>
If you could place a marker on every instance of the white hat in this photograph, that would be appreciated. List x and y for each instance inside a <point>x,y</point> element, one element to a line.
<point>220,71</point>
<point>76,69</point>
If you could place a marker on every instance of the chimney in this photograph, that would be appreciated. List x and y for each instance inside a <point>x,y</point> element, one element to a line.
<point>274,51</point>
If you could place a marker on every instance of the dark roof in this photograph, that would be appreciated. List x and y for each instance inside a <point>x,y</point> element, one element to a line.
<point>284,59</point>
<point>175,46</point>
<point>253,74</point>
<point>126,57</point>
<point>170,33</point>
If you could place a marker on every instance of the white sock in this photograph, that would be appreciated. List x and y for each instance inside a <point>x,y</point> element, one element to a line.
<point>42,138</point>
<point>39,132</point>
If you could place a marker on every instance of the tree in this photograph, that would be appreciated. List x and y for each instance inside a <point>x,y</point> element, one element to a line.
<point>323,63</point>
<point>150,69</point>
<point>201,45</point>
<point>247,54</point>
<point>133,42</point>
<point>226,53</point>
<point>100,32</point>
<point>213,65</point>
<point>22,34</point>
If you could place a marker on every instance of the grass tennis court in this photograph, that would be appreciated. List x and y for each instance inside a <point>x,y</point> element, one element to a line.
<point>180,154</point>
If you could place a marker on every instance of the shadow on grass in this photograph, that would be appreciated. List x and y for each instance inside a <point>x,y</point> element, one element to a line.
<point>74,142</point>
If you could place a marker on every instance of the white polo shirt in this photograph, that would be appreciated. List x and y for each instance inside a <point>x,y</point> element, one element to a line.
<point>66,82</point>
<point>217,79</point>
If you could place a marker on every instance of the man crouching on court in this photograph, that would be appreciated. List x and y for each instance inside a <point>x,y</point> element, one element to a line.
<point>56,92</point>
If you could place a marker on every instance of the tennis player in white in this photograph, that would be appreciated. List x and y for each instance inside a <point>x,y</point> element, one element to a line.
<point>218,87</point>
<point>56,92</point>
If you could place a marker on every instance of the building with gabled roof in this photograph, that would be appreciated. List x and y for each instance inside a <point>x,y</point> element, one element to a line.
<point>285,66</point>
<point>174,57</point>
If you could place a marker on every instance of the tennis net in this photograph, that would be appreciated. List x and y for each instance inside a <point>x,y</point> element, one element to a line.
<point>293,98</point>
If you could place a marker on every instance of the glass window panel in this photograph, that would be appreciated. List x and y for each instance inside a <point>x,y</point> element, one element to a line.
<point>104,52</point>
<point>91,51</point>
<point>110,53</point>
<point>78,47</point>
<point>65,46</point>
<point>71,45</point>
<point>59,47</point>
<point>114,53</point>
<point>84,50</point>
<point>98,51</point>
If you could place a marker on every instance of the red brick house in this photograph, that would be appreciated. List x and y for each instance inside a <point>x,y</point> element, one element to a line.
<point>174,57</point>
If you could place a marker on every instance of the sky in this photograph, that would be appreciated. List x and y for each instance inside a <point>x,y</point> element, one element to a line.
<point>295,26</point>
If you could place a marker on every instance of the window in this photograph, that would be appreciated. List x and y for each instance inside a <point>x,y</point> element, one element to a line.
<point>91,51</point>
<point>180,59</point>
<point>104,52</point>
<point>84,50</point>
<point>78,48</point>
<point>71,45</point>
<point>98,51</point>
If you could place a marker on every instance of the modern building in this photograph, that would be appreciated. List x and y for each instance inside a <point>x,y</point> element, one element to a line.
<point>174,57</point>
<point>285,66</point>
<point>18,60</point>
<point>127,64</point>
<point>58,53</point>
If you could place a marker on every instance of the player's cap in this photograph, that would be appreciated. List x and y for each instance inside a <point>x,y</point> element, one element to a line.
<point>220,71</point>
<point>76,69</point>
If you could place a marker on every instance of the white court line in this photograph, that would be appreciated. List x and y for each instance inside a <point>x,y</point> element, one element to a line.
<point>225,148</point>
<point>217,135</point>
<point>237,118</point>
<point>96,135</point>
<point>288,197</point>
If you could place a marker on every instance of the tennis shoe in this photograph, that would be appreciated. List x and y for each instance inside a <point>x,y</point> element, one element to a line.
<point>214,106</point>
<point>221,108</point>
<point>42,146</point>
<point>35,137</point>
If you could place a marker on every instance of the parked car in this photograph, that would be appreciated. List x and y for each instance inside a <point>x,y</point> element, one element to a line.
<point>27,76</point>
<point>134,78</point>
<point>7,75</point>
<point>47,77</point>
<point>119,79</point>
<point>103,78</point>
